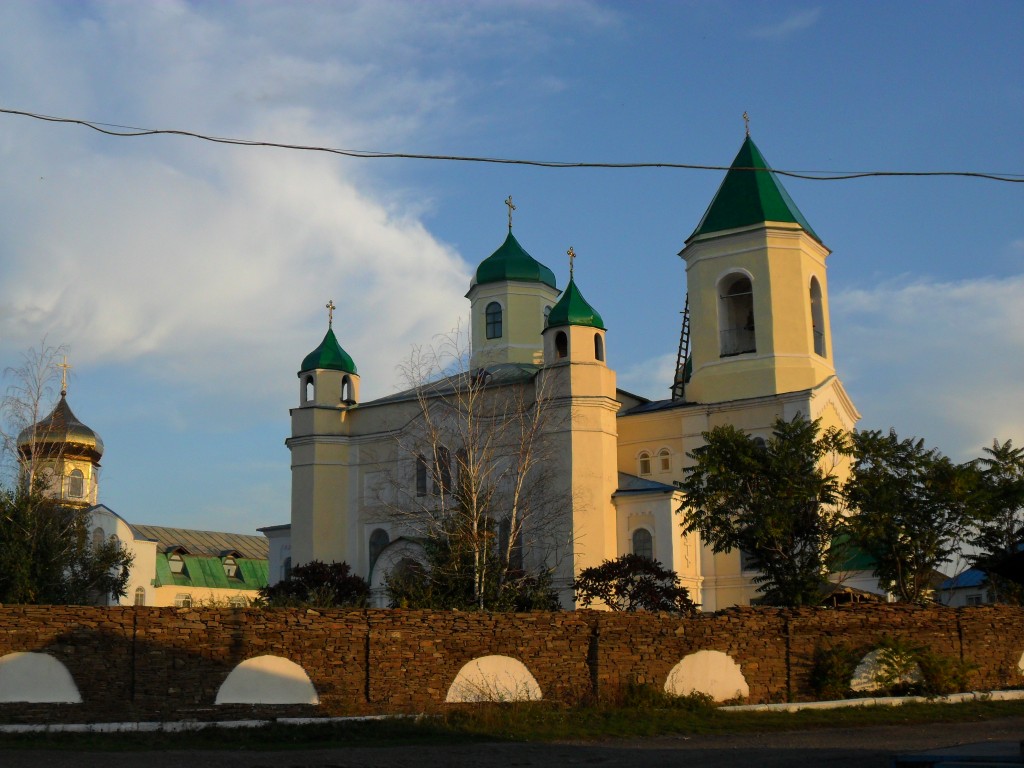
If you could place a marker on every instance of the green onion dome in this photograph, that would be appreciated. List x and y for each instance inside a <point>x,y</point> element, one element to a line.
<point>512,262</point>
<point>329,355</point>
<point>573,309</point>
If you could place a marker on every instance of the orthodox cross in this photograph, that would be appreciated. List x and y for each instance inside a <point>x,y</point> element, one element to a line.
<point>64,368</point>
<point>746,122</point>
<point>330,312</point>
<point>511,207</point>
<point>572,255</point>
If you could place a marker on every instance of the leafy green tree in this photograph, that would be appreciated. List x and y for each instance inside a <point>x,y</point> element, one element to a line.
<point>912,507</point>
<point>999,517</point>
<point>318,585</point>
<point>780,502</point>
<point>47,555</point>
<point>633,583</point>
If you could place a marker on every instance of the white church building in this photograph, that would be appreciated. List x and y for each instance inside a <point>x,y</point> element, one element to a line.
<point>756,346</point>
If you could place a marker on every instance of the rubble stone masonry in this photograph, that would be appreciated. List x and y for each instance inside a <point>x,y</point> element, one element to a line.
<point>139,663</point>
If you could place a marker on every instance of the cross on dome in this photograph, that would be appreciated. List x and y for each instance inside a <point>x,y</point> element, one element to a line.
<point>572,256</point>
<point>330,312</point>
<point>64,376</point>
<point>511,207</point>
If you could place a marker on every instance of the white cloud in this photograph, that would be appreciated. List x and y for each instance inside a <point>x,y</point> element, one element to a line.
<point>792,24</point>
<point>942,361</point>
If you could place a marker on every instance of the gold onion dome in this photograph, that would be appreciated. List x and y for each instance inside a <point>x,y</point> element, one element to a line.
<point>60,434</point>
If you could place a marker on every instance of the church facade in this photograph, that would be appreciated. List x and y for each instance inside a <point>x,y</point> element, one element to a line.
<point>757,347</point>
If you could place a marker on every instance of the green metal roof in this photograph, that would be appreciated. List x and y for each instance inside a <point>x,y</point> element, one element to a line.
<point>329,355</point>
<point>573,309</point>
<point>750,196</point>
<point>512,262</point>
<point>203,571</point>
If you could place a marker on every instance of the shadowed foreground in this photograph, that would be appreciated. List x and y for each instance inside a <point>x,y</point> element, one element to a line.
<point>847,748</point>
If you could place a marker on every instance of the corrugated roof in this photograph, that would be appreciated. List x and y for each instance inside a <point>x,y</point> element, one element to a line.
<point>211,543</point>
<point>972,577</point>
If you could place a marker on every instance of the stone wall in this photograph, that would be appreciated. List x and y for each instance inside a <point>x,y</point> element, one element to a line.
<point>163,663</point>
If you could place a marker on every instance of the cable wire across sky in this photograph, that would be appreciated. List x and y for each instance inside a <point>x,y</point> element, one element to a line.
<point>113,129</point>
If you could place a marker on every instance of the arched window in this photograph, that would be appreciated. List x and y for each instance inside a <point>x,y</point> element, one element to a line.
<point>308,390</point>
<point>379,539</point>
<point>645,463</point>
<point>421,476</point>
<point>736,316</point>
<point>643,543</point>
<point>76,484</point>
<point>547,312</point>
<point>183,600</point>
<point>98,537</point>
<point>140,595</point>
<point>561,344</point>
<point>664,460</point>
<point>286,569</point>
<point>493,315</point>
<point>347,391</point>
<point>598,347</point>
<point>817,318</point>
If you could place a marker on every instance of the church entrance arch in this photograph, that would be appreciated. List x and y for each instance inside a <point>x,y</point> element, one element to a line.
<point>401,553</point>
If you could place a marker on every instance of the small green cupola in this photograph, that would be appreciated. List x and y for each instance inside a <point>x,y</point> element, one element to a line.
<point>328,356</point>
<point>750,194</point>
<point>574,332</point>
<point>328,374</point>
<point>512,262</point>
<point>573,309</point>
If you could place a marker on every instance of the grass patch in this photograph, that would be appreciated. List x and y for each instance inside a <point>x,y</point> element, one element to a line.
<point>638,717</point>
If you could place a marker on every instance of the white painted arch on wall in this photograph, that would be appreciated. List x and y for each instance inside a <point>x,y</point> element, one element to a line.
<point>711,672</point>
<point>494,678</point>
<point>36,677</point>
<point>267,680</point>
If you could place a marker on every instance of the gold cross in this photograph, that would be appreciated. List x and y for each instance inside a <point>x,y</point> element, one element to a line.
<point>64,375</point>
<point>572,255</point>
<point>511,207</point>
<point>330,312</point>
<point>746,122</point>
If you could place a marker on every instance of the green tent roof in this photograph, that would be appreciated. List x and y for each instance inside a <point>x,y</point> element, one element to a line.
<point>573,309</point>
<point>749,196</point>
<point>511,262</point>
<point>329,355</point>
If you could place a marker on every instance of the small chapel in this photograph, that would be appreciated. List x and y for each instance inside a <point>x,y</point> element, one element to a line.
<point>755,346</point>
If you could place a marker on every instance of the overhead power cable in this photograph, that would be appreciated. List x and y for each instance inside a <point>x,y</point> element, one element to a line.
<point>113,129</point>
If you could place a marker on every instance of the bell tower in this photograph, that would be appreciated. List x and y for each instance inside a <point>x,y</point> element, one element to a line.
<point>757,291</point>
<point>321,450</point>
<point>579,388</point>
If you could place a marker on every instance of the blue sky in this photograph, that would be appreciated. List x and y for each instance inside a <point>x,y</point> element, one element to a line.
<point>188,279</point>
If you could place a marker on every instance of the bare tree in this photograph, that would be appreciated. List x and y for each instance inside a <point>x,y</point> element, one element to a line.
<point>483,502</point>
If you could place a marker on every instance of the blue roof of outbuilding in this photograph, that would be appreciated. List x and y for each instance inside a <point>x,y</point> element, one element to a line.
<point>972,577</point>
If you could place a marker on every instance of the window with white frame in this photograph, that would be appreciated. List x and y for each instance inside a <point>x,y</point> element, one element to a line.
<point>665,460</point>
<point>76,484</point>
<point>140,595</point>
<point>644,459</point>
<point>183,600</point>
